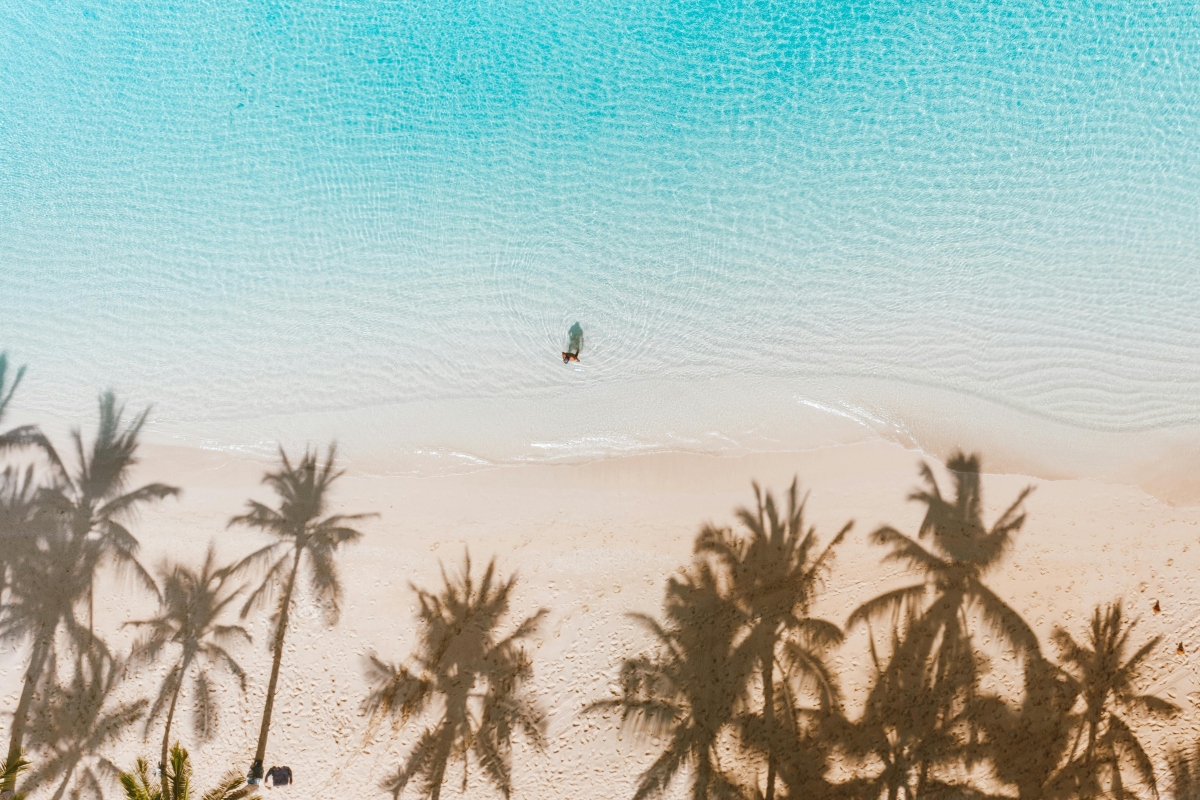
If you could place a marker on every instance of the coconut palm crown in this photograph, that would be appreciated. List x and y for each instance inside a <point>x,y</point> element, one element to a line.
<point>176,782</point>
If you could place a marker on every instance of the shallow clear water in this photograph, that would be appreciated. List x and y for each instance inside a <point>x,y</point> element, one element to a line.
<point>262,211</point>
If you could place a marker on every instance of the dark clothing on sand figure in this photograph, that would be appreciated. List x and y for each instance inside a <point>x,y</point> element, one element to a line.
<point>574,345</point>
<point>279,776</point>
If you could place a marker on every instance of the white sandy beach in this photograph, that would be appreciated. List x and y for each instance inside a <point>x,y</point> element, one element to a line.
<point>592,542</point>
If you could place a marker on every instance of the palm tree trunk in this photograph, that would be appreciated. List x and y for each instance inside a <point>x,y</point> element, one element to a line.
<point>280,630</point>
<point>768,679</point>
<point>62,787</point>
<point>33,676</point>
<point>162,765</point>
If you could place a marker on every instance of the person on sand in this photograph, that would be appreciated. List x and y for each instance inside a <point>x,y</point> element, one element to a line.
<point>279,776</point>
<point>574,345</point>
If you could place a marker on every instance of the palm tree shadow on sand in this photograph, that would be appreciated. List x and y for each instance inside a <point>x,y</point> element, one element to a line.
<point>775,568</point>
<point>76,720</point>
<point>189,625</point>
<point>306,536</point>
<point>478,675</point>
<point>81,529</point>
<point>736,683</point>
<point>739,662</point>
<point>691,687</point>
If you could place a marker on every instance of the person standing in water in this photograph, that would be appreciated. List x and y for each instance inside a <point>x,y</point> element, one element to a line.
<point>574,345</point>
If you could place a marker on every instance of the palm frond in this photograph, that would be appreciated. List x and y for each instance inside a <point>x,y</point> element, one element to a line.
<point>137,784</point>
<point>177,778</point>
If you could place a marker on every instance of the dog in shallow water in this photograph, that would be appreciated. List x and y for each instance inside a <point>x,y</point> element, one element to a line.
<point>568,357</point>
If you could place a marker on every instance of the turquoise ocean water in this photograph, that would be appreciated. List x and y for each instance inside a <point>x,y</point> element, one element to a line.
<point>379,219</point>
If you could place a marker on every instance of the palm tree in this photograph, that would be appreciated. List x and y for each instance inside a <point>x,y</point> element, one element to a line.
<point>90,504</point>
<point>776,572</point>
<point>692,687</point>
<point>190,620</point>
<point>176,782</point>
<point>478,675</point>
<point>1027,746</point>
<point>1107,682</point>
<point>76,720</point>
<point>303,534</point>
<point>10,770</point>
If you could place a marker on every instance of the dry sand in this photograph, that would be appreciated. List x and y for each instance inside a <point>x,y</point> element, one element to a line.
<point>592,542</point>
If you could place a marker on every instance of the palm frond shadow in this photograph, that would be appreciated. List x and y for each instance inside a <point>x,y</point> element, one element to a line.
<point>475,677</point>
<point>305,536</point>
<point>691,687</point>
<point>776,567</point>
<point>1028,745</point>
<point>1184,768</point>
<point>190,623</point>
<point>1105,748</point>
<point>85,510</point>
<point>75,721</point>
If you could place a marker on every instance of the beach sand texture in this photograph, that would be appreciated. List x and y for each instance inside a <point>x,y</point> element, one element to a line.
<point>593,542</point>
<point>823,240</point>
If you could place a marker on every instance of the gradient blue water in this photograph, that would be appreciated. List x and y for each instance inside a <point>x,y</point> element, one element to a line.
<point>267,208</point>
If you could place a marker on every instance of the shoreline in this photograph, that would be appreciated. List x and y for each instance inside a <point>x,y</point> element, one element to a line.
<point>591,423</point>
<point>595,541</point>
